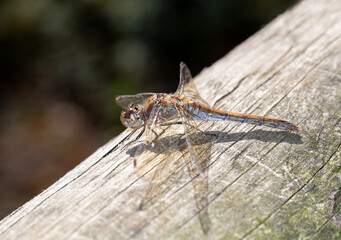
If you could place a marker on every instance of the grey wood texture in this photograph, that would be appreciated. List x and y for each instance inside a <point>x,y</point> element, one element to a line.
<point>261,183</point>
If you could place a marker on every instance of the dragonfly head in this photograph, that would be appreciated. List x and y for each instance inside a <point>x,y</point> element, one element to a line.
<point>132,117</point>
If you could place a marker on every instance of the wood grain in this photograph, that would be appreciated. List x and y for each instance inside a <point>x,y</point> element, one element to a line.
<point>262,183</point>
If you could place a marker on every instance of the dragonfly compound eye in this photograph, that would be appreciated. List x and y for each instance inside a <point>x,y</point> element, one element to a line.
<point>131,118</point>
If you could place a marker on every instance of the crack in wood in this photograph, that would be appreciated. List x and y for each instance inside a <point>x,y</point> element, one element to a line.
<point>230,92</point>
<point>301,60</point>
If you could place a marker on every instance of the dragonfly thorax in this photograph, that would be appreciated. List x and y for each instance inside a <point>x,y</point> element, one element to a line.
<point>132,117</point>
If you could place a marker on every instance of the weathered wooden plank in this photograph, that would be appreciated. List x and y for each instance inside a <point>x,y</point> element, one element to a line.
<point>262,183</point>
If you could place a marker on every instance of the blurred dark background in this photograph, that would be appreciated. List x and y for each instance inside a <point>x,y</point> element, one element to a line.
<point>62,63</point>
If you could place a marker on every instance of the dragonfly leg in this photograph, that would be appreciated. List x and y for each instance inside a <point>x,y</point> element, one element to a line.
<point>163,131</point>
<point>166,124</point>
<point>156,136</point>
<point>174,123</point>
<point>138,136</point>
<point>169,124</point>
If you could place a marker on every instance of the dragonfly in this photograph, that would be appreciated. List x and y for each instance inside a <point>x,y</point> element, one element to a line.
<point>153,111</point>
<point>147,111</point>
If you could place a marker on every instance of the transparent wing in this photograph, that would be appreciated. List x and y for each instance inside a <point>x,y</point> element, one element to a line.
<point>125,101</point>
<point>187,87</point>
<point>159,171</point>
<point>198,142</point>
<point>160,166</point>
<point>160,162</point>
<point>199,148</point>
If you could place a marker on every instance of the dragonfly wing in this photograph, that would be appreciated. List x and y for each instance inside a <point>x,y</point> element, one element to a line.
<point>125,101</point>
<point>197,141</point>
<point>199,149</point>
<point>187,87</point>
<point>159,165</point>
<point>154,186</point>
<point>185,78</point>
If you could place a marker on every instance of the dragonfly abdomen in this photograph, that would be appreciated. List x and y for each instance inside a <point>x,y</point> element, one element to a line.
<point>201,112</point>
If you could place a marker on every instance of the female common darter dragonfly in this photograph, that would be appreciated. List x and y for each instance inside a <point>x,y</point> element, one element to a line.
<point>149,111</point>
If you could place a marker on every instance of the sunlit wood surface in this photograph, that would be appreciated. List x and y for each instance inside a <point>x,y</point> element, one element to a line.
<point>262,183</point>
